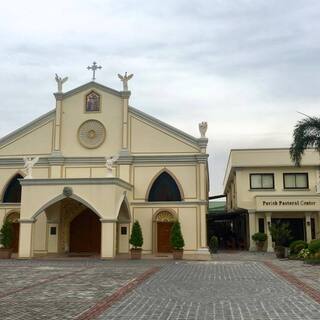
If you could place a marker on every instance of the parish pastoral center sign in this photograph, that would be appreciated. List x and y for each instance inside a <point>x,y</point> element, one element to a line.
<point>285,203</point>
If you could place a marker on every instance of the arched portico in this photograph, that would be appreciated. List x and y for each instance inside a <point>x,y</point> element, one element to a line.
<point>102,196</point>
<point>123,226</point>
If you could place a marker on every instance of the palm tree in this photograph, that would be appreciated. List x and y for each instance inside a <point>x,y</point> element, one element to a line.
<point>306,135</point>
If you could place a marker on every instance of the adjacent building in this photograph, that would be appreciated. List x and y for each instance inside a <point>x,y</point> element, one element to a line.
<point>265,184</point>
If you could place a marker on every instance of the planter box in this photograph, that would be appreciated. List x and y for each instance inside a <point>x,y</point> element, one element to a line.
<point>5,253</point>
<point>259,246</point>
<point>177,254</point>
<point>136,254</point>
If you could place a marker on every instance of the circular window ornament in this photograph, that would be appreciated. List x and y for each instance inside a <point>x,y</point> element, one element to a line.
<point>92,134</point>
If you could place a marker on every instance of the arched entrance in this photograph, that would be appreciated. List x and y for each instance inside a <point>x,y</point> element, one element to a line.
<point>164,221</point>
<point>13,217</point>
<point>85,233</point>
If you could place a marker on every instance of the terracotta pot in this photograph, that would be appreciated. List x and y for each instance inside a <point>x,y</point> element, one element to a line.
<point>136,253</point>
<point>280,252</point>
<point>259,245</point>
<point>5,253</point>
<point>177,254</point>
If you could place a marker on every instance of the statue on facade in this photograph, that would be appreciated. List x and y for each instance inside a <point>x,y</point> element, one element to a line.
<point>203,127</point>
<point>109,165</point>
<point>125,80</point>
<point>29,163</point>
<point>60,82</point>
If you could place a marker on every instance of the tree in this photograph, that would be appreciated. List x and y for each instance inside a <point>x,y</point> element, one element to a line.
<point>176,238</point>
<point>306,135</point>
<point>136,238</point>
<point>280,233</point>
<point>6,234</point>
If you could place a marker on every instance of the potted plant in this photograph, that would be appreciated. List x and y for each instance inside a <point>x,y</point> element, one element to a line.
<point>136,240</point>
<point>281,235</point>
<point>213,244</point>
<point>177,241</point>
<point>6,240</point>
<point>259,238</point>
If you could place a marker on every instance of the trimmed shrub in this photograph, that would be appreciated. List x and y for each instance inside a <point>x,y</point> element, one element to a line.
<point>259,237</point>
<point>314,246</point>
<point>280,233</point>
<point>6,234</point>
<point>213,244</point>
<point>297,245</point>
<point>136,239</point>
<point>176,238</point>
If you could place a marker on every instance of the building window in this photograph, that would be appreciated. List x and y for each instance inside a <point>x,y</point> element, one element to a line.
<point>262,181</point>
<point>13,190</point>
<point>164,188</point>
<point>295,181</point>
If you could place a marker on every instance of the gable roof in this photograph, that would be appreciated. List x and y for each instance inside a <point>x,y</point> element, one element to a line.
<point>165,126</point>
<point>89,85</point>
<point>47,117</point>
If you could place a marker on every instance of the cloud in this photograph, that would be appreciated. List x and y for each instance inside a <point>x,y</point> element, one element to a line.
<point>244,66</point>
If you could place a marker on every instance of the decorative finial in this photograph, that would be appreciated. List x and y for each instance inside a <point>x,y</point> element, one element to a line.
<point>125,80</point>
<point>28,165</point>
<point>94,67</point>
<point>60,82</point>
<point>109,165</point>
<point>203,126</point>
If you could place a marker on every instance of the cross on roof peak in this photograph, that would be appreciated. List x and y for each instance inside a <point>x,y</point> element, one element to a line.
<point>94,67</point>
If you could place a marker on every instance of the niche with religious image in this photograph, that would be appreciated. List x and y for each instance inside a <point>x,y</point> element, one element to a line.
<point>92,102</point>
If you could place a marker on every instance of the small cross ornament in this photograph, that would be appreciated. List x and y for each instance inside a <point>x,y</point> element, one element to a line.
<point>94,67</point>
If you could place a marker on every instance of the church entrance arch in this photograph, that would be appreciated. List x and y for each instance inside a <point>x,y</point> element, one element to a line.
<point>13,217</point>
<point>164,222</point>
<point>85,233</point>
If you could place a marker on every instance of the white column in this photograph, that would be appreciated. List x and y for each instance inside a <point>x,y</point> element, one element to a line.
<point>269,239</point>
<point>57,125</point>
<point>25,238</point>
<point>125,101</point>
<point>252,229</point>
<point>308,226</point>
<point>108,238</point>
<point>203,226</point>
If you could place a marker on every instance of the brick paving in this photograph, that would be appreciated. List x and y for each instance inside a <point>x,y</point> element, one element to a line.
<point>61,289</point>
<point>234,286</point>
<point>221,290</point>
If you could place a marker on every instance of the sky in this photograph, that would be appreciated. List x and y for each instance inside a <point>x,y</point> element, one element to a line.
<point>246,67</point>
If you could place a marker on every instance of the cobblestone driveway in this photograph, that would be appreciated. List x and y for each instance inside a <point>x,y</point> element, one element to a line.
<point>60,289</point>
<point>230,290</point>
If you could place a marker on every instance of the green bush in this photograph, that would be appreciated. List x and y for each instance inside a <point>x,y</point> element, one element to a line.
<point>6,234</point>
<point>314,246</point>
<point>213,244</point>
<point>259,237</point>
<point>176,238</point>
<point>136,238</point>
<point>280,233</point>
<point>296,246</point>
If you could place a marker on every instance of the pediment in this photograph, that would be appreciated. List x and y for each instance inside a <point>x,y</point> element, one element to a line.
<point>91,86</point>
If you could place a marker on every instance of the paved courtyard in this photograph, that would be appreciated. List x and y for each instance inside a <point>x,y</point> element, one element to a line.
<point>233,287</point>
<point>230,290</point>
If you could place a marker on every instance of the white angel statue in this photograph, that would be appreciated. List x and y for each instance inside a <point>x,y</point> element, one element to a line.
<point>29,163</point>
<point>60,82</point>
<point>125,80</point>
<point>109,165</point>
<point>203,126</point>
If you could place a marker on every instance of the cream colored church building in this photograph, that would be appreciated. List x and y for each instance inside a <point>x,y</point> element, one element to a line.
<point>75,179</point>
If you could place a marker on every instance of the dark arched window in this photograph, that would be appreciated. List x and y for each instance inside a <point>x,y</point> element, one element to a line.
<point>164,189</point>
<point>13,191</point>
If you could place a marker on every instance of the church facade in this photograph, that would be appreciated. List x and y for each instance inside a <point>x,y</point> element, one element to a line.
<point>75,179</point>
